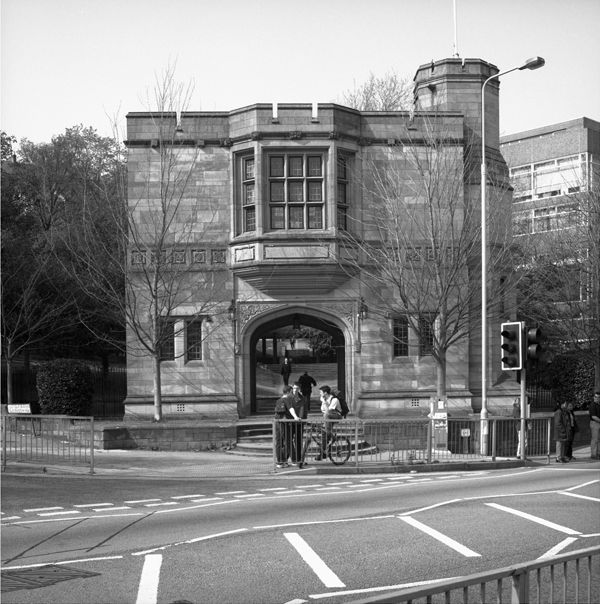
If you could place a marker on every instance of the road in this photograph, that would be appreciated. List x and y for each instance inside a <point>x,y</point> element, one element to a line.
<point>282,539</point>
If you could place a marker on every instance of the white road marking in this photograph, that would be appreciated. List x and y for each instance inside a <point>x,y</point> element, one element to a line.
<point>65,513</point>
<point>80,561</point>
<point>276,489</point>
<point>334,484</point>
<point>288,492</point>
<point>230,493</point>
<point>580,486</point>
<point>455,545</point>
<point>91,505</point>
<point>328,489</point>
<point>316,563</point>
<point>579,496</point>
<point>187,496</point>
<point>304,486</point>
<point>430,507</point>
<point>207,499</point>
<point>313,522</point>
<point>196,540</point>
<point>542,521</point>
<point>10,518</point>
<point>373,480</point>
<point>148,588</point>
<point>43,509</point>
<point>120,508</point>
<point>250,495</point>
<point>162,503</point>
<point>558,548</point>
<point>350,592</point>
<point>142,500</point>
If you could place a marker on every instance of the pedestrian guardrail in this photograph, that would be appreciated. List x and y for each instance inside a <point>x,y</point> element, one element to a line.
<point>411,441</point>
<point>48,439</point>
<point>572,577</point>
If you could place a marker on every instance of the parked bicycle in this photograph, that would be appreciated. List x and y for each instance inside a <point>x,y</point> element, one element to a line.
<point>316,437</point>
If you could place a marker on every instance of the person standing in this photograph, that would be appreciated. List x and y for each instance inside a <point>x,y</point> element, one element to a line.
<point>595,426</point>
<point>572,428</point>
<point>561,432</point>
<point>306,383</point>
<point>296,429</point>
<point>286,369</point>
<point>521,444</point>
<point>331,410</point>
<point>284,410</point>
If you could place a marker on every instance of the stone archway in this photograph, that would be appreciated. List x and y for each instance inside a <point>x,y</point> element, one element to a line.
<point>278,319</point>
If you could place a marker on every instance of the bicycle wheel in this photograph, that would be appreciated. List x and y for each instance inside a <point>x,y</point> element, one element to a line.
<point>338,450</point>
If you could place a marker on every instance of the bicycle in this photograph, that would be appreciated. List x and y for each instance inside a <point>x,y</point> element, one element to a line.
<point>337,448</point>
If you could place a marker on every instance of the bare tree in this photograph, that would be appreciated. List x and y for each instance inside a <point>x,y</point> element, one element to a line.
<point>146,274</point>
<point>419,239</point>
<point>561,283</point>
<point>390,92</point>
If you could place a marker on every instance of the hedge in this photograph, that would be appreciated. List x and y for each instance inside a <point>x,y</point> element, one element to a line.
<point>65,387</point>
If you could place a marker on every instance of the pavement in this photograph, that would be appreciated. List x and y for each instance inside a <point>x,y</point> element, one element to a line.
<point>136,463</point>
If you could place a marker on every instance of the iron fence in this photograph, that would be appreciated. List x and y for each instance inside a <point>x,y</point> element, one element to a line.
<point>410,441</point>
<point>48,439</point>
<point>572,577</point>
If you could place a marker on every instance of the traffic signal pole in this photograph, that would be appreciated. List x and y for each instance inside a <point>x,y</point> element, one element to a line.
<point>523,426</point>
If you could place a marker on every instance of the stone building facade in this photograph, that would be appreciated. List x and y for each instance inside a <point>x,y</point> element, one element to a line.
<point>270,191</point>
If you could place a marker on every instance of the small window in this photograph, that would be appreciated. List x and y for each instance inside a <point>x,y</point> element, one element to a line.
<point>276,167</point>
<point>193,340</point>
<point>167,339</point>
<point>400,327</point>
<point>342,192</point>
<point>426,335</point>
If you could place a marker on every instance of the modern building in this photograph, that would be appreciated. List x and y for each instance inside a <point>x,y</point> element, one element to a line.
<point>272,194</point>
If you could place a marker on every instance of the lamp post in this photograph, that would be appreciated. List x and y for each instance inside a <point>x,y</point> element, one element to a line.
<point>532,63</point>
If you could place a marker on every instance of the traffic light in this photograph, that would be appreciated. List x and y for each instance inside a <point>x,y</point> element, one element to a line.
<point>533,347</point>
<point>512,349</point>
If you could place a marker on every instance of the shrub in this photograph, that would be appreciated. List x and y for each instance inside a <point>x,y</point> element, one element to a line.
<point>571,379</point>
<point>65,387</point>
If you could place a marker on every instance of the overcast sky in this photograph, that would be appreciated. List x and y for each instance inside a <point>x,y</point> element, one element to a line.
<point>68,62</point>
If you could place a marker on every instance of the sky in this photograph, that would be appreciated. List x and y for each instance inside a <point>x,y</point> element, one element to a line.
<point>90,62</point>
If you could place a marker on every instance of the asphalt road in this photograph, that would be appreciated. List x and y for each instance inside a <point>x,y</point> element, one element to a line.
<point>283,539</point>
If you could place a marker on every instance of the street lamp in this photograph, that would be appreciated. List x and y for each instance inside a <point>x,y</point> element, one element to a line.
<point>532,63</point>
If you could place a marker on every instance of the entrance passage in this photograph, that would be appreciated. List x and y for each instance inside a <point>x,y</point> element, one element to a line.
<point>302,343</point>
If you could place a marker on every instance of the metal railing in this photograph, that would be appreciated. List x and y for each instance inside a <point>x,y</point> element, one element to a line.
<point>572,577</point>
<point>46,439</point>
<point>419,440</point>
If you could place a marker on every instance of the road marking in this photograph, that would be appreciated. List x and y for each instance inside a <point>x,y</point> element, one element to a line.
<point>142,500</point>
<point>373,480</point>
<point>208,499</point>
<point>250,495</point>
<point>91,505</point>
<point>350,592</point>
<point>154,505</point>
<point>316,563</point>
<point>305,486</point>
<point>80,561</point>
<point>579,496</point>
<point>542,521</point>
<point>337,483</point>
<point>313,522</point>
<point>430,507</point>
<point>328,489</point>
<point>558,548</point>
<point>196,540</point>
<point>187,496</point>
<point>59,513</point>
<point>123,507</point>
<point>148,589</point>
<point>580,486</point>
<point>288,492</point>
<point>230,493</point>
<point>43,509</point>
<point>276,489</point>
<point>10,518</point>
<point>455,545</point>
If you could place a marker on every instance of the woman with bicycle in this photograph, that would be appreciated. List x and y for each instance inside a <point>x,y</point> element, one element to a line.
<point>331,410</point>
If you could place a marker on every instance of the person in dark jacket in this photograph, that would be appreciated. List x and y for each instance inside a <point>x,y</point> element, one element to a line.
<point>285,408</point>
<point>306,383</point>
<point>561,432</point>
<point>572,429</point>
<point>286,369</point>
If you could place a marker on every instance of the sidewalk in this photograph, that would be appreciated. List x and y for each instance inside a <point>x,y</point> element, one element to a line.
<point>128,463</point>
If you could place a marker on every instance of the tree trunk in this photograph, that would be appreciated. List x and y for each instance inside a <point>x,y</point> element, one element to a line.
<point>9,373</point>
<point>157,390</point>
<point>441,374</point>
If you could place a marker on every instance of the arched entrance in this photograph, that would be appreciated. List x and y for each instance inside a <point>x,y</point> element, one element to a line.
<point>267,347</point>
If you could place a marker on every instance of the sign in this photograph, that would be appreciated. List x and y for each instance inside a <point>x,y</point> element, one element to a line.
<point>464,432</point>
<point>20,408</point>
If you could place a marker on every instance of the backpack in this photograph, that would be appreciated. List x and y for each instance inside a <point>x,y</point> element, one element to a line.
<point>343,404</point>
<point>280,407</point>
